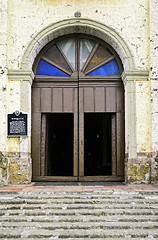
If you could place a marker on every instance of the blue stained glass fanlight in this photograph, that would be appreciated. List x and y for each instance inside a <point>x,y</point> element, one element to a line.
<point>107,69</point>
<point>45,68</point>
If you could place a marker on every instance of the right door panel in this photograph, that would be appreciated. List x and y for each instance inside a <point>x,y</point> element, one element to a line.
<point>101,131</point>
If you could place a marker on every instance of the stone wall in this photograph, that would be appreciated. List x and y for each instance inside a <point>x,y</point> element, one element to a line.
<point>3,73</point>
<point>133,22</point>
<point>15,169</point>
<point>154,86</point>
<point>129,18</point>
<point>3,86</point>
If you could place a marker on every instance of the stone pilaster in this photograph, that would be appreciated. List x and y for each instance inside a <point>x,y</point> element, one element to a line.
<point>137,126</point>
<point>16,160</point>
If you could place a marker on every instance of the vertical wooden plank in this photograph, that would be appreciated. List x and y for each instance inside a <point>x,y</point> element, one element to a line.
<point>75,160</point>
<point>120,143</point>
<point>120,99</point>
<point>110,99</point>
<point>99,99</point>
<point>81,131</point>
<point>57,100</point>
<point>36,141</point>
<point>81,100</point>
<point>68,99</point>
<point>113,144</point>
<point>43,144</point>
<point>36,100</point>
<point>75,107</point>
<point>105,139</point>
<point>47,146</point>
<point>88,99</point>
<point>46,99</point>
<point>81,144</point>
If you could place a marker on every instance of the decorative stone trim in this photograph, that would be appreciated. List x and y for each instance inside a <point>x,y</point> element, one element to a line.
<point>21,75</point>
<point>129,79</point>
<point>141,75</point>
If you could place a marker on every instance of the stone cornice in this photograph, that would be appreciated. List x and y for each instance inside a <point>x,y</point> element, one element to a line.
<point>140,75</point>
<point>21,75</point>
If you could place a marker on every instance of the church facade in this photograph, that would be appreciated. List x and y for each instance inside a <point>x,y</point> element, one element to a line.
<point>78,91</point>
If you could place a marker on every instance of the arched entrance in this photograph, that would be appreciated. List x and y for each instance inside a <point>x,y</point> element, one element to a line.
<point>78,112</point>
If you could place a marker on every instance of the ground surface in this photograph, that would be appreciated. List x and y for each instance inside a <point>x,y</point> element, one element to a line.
<point>77,186</point>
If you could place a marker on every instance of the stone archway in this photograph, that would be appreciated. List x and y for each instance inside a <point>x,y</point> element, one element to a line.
<point>78,111</point>
<point>107,34</point>
<point>84,26</point>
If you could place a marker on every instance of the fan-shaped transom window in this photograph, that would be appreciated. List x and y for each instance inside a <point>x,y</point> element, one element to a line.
<point>71,54</point>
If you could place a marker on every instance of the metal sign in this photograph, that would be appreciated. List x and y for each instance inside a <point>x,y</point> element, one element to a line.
<point>17,124</point>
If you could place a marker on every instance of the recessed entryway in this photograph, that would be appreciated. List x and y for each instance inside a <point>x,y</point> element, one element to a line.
<point>97,144</point>
<point>59,156</point>
<point>78,112</point>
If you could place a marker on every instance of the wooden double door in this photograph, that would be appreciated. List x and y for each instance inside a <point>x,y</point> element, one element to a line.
<point>78,128</point>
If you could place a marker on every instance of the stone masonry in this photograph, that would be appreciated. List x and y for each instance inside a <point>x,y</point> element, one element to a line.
<point>130,27</point>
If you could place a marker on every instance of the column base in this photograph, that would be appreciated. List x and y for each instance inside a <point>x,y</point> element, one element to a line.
<point>15,168</point>
<point>143,169</point>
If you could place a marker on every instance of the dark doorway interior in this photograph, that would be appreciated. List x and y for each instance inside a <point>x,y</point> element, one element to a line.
<point>97,148</point>
<point>60,144</point>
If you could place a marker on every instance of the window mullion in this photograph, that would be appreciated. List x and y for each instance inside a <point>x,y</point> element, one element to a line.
<point>90,56</point>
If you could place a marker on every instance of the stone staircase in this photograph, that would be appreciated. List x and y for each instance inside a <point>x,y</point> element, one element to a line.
<point>79,215</point>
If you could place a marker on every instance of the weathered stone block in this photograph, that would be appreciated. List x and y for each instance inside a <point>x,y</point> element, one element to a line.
<point>14,169</point>
<point>138,170</point>
<point>154,168</point>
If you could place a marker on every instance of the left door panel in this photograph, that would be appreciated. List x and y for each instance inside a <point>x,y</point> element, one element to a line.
<point>54,128</point>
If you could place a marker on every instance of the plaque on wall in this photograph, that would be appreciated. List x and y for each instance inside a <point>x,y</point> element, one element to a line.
<point>17,124</point>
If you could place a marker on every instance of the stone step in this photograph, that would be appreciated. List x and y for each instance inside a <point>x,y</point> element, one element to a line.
<point>62,193</point>
<point>104,192</point>
<point>79,215</point>
<point>80,218</point>
<point>120,238</point>
<point>87,191</point>
<point>65,206</point>
<point>76,201</point>
<point>81,225</point>
<point>52,238</point>
<point>83,212</point>
<point>67,195</point>
<point>77,234</point>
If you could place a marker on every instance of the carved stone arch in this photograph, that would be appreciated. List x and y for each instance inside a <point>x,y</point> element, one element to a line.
<point>84,26</point>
